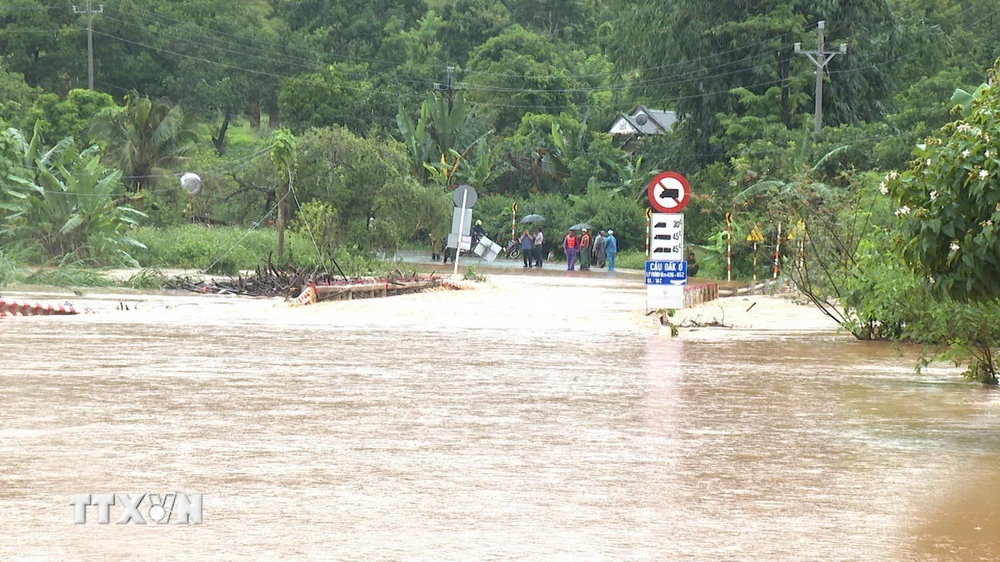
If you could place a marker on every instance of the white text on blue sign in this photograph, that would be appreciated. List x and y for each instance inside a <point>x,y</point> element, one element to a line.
<point>666,272</point>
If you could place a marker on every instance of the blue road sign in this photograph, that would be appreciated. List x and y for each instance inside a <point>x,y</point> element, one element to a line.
<point>666,272</point>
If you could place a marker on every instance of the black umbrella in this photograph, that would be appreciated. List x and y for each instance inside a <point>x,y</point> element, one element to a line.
<point>531,218</point>
<point>581,226</point>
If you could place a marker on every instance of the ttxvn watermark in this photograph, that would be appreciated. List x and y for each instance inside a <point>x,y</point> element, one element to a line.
<point>161,507</point>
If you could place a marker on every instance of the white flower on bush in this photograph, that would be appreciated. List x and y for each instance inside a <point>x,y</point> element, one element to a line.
<point>883,188</point>
<point>954,246</point>
<point>931,279</point>
<point>892,175</point>
<point>934,195</point>
<point>964,128</point>
<point>928,162</point>
<point>983,174</point>
<point>965,153</point>
<point>904,210</point>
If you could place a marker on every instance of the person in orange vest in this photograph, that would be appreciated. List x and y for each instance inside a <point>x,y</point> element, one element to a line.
<point>569,246</point>
<point>584,251</point>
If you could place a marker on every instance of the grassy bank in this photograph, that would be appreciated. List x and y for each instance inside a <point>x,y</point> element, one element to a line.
<point>631,259</point>
<point>220,250</point>
<point>215,250</point>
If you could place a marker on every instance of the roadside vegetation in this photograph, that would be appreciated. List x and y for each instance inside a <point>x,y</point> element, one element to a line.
<point>322,139</point>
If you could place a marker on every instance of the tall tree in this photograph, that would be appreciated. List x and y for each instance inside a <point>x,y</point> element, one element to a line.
<point>43,43</point>
<point>521,71</point>
<point>349,28</point>
<point>559,19</point>
<point>688,58</point>
<point>283,156</point>
<point>145,139</point>
<point>468,24</point>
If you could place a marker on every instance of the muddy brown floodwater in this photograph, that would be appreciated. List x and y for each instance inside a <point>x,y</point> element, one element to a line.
<point>535,418</point>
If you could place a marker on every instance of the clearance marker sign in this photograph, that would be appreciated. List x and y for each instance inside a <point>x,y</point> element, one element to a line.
<point>666,270</point>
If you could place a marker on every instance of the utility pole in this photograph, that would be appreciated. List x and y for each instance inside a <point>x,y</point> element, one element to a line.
<point>820,57</point>
<point>90,38</point>
<point>448,88</point>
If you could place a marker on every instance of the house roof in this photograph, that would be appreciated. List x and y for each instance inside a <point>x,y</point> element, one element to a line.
<point>644,121</point>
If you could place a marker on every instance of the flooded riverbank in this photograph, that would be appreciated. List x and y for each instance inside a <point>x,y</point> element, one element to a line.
<point>537,417</point>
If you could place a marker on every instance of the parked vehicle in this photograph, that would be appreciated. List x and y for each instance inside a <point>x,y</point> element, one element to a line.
<point>513,249</point>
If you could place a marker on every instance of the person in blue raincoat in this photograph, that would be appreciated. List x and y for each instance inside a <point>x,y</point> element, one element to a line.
<point>611,249</point>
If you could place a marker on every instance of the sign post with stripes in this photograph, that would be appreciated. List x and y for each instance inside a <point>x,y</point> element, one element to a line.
<point>666,268</point>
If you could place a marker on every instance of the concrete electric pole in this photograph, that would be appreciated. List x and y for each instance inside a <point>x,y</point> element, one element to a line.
<point>90,38</point>
<point>820,57</point>
<point>449,87</point>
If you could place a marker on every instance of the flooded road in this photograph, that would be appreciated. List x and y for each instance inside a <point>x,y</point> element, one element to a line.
<point>535,418</point>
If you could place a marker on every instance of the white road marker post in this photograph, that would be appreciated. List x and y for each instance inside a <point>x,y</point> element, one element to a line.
<point>461,229</point>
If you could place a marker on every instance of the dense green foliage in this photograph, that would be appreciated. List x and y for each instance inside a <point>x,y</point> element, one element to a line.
<point>63,201</point>
<point>949,202</point>
<point>389,105</point>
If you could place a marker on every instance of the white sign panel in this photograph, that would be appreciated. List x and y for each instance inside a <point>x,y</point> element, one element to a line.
<point>487,249</point>
<point>666,237</point>
<point>466,227</point>
<point>466,241</point>
<point>664,296</point>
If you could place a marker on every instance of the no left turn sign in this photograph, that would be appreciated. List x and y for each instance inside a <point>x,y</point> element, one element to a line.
<point>669,192</point>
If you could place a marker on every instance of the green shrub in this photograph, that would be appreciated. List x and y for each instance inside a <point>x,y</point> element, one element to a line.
<point>67,276</point>
<point>225,250</point>
<point>147,278</point>
<point>8,268</point>
<point>472,274</point>
<point>631,259</point>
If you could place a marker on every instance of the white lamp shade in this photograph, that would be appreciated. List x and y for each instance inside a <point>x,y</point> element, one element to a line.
<point>191,183</point>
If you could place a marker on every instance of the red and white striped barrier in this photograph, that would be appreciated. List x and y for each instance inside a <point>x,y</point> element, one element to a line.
<point>308,296</point>
<point>25,309</point>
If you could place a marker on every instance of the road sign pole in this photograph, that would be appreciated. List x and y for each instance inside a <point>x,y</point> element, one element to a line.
<point>729,246</point>
<point>513,221</point>
<point>755,264</point>
<point>648,233</point>
<point>777,252</point>
<point>461,229</point>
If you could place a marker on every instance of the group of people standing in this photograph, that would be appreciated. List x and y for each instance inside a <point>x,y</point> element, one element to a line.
<point>602,249</point>
<point>531,248</point>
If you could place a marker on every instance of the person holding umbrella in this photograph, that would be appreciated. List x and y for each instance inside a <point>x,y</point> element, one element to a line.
<point>584,250</point>
<point>526,242</point>
<point>528,219</point>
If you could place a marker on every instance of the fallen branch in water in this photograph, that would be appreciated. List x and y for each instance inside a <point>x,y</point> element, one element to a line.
<point>269,280</point>
<point>714,323</point>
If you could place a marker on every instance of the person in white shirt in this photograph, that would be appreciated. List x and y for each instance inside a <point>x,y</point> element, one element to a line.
<point>538,247</point>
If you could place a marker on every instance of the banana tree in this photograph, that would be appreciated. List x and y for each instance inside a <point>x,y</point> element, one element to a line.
<point>416,138</point>
<point>65,201</point>
<point>441,131</point>
<point>475,166</point>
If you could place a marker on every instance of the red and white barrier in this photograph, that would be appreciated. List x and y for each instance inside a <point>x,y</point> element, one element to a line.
<point>24,309</point>
<point>308,296</point>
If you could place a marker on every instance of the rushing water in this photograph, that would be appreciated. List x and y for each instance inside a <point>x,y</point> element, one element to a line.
<point>540,419</point>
